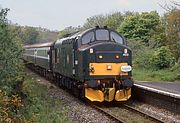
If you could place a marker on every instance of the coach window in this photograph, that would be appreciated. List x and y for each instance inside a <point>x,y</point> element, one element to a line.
<point>55,55</point>
<point>87,38</point>
<point>115,37</point>
<point>102,34</point>
<point>48,52</point>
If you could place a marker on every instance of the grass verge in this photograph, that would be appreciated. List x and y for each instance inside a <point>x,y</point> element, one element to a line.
<point>156,75</point>
<point>39,107</point>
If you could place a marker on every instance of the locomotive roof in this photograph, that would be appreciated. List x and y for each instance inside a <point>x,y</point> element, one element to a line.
<point>47,44</point>
<point>78,34</point>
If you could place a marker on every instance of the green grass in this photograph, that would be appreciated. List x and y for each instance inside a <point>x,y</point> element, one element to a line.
<point>41,108</point>
<point>155,75</point>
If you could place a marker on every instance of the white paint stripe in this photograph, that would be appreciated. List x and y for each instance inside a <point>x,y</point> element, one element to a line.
<point>159,91</point>
<point>29,55</point>
<point>43,57</point>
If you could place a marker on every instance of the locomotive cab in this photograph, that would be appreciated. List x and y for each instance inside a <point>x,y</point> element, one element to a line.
<point>105,65</point>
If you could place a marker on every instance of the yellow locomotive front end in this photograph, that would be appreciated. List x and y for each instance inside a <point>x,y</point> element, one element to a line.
<point>109,89</point>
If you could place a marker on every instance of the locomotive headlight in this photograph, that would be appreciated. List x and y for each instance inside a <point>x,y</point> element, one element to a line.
<point>126,68</point>
<point>100,57</point>
<point>117,56</point>
<point>109,67</point>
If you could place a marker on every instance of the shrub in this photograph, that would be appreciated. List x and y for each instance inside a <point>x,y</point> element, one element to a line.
<point>162,58</point>
<point>141,54</point>
<point>10,53</point>
<point>9,108</point>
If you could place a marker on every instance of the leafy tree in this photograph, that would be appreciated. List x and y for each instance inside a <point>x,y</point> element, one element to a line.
<point>10,50</point>
<point>30,35</point>
<point>68,30</point>
<point>141,54</point>
<point>98,20</point>
<point>127,28</point>
<point>162,58</point>
<point>158,35</point>
<point>140,26</point>
<point>46,35</point>
<point>173,32</point>
<point>114,20</point>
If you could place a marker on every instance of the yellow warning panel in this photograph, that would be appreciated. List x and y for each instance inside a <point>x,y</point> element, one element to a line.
<point>94,95</point>
<point>123,95</point>
<point>109,94</point>
<point>106,69</point>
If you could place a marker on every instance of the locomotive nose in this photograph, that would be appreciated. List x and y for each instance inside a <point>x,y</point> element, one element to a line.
<point>108,56</point>
<point>111,63</point>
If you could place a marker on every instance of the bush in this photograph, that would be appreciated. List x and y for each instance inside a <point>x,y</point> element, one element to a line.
<point>141,54</point>
<point>10,50</point>
<point>9,108</point>
<point>163,58</point>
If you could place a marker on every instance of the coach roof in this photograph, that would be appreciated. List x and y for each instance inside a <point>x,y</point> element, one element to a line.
<point>47,44</point>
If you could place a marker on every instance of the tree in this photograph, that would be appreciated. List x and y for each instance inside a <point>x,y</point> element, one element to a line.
<point>158,35</point>
<point>114,20</point>
<point>30,35</point>
<point>10,50</point>
<point>68,30</point>
<point>128,27</point>
<point>172,6</point>
<point>173,32</point>
<point>162,58</point>
<point>140,26</point>
<point>98,20</point>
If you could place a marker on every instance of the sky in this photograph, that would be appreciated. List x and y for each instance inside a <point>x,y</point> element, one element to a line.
<point>58,14</point>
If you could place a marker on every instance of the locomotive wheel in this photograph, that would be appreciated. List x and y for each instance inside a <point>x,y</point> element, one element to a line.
<point>82,93</point>
<point>75,90</point>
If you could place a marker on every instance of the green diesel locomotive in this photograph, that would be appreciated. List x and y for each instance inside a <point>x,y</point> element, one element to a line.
<point>95,64</point>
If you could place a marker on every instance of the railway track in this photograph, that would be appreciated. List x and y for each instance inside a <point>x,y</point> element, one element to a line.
<point>111,116</point>
<point>152,118</point>
<point>120,119</point>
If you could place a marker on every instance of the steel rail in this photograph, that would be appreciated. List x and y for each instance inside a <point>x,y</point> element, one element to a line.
<point>150,117</point>
<point>114,118</point>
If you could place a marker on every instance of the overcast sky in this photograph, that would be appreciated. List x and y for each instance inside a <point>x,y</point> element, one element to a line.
<point>58,14</point>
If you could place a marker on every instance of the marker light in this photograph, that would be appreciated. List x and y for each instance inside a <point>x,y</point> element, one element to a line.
<point>117,56</point>
<point>125,51</point>
<point>91,50</point>
<point>100,57</point>
<point>109,67</point>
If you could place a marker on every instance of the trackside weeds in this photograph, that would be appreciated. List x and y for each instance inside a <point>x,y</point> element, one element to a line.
<point>35,105</point>
<point>9,108</point>
<point>39,106</point>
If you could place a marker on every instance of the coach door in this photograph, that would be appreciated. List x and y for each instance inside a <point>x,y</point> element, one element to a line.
<point>54,57</point>
<point>49,53</point>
